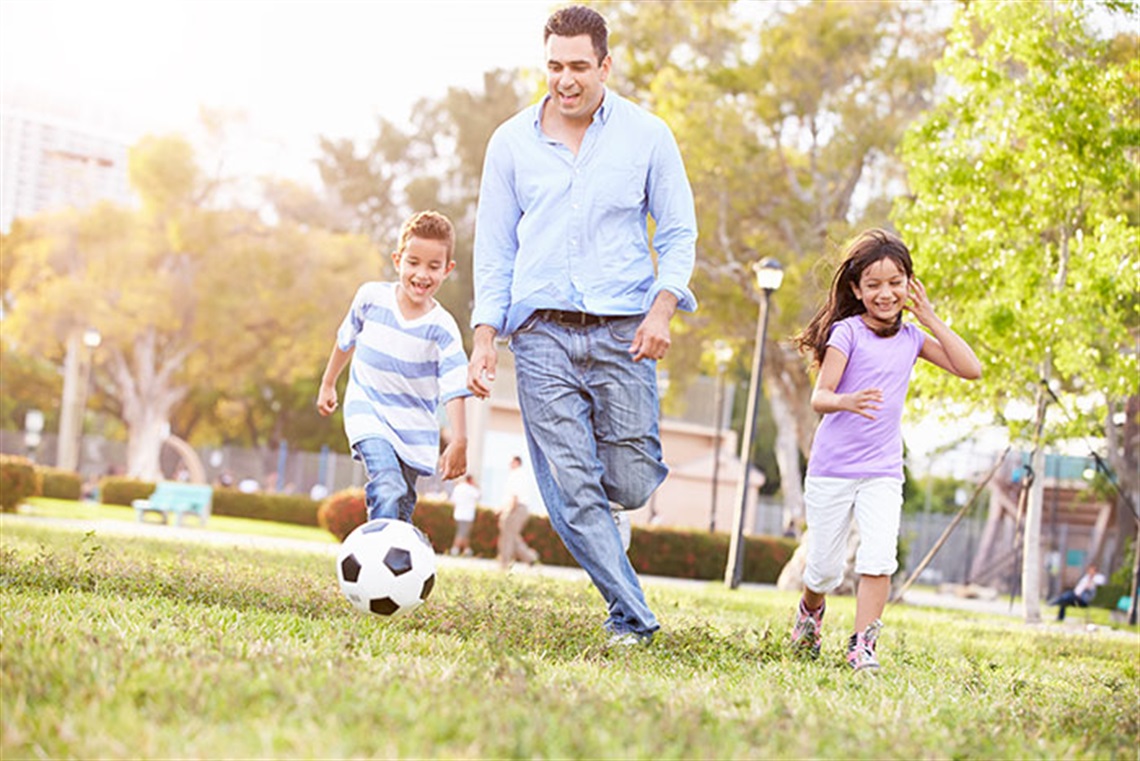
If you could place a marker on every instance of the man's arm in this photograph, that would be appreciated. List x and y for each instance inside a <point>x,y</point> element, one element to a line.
<point>671,205</point>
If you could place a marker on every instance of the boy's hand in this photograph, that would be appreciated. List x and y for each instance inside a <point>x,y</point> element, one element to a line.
<point>326,400</point>
<point>453,461</point>
<point>865,402</point>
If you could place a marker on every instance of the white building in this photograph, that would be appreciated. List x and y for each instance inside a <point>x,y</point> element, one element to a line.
<point>48,164</point>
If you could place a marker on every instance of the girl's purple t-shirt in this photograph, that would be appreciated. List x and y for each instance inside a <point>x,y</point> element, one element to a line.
<point>847,445</point>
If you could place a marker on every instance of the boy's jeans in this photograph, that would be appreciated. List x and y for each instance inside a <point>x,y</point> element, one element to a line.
<point>391,488</point>
<point>590,415</point>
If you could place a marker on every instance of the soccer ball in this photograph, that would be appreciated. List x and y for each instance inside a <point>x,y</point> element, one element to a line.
<point>386,567</point>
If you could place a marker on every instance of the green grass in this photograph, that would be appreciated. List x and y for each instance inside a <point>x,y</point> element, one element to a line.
<point>43,507</point>
<point>119,647</point>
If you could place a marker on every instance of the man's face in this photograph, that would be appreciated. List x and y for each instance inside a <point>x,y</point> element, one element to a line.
<point>575,79</point>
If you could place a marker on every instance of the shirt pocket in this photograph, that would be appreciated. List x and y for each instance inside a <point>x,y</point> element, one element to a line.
<point>622,187</point>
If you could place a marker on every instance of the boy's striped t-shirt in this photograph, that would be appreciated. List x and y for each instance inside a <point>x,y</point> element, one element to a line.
<point>401,372</point>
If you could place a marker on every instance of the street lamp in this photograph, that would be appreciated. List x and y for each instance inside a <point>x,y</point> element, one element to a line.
<point>722,353</point>
<point>769,275</point>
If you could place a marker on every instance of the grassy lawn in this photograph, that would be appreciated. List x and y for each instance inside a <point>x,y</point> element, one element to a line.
<point>94,511</point>
<point>120,647</point>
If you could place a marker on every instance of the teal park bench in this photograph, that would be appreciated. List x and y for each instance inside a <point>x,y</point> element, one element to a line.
<point>177,498</point>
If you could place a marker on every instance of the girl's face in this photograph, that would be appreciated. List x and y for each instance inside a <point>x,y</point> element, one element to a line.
<point>882,288</point>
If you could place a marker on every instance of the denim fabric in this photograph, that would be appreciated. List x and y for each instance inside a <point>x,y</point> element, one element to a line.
<point>590,415</point>
<point>391,488</point>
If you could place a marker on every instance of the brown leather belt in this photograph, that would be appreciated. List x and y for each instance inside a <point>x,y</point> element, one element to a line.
<point>574,319</point>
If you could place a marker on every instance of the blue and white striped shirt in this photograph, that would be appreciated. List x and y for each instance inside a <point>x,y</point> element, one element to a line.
<point>402,371</point>
<point>555,230</point>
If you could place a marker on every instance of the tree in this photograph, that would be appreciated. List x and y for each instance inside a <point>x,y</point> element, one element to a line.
<point>784,116</point>
<point>435,165</point>
<point>1018,221</point>
<point>185,295</point>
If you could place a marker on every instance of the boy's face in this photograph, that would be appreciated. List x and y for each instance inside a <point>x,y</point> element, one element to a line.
<point>421,268</point>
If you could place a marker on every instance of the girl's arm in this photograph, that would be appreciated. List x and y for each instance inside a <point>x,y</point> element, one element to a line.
<point>946,349</point>
<point>824,399</point>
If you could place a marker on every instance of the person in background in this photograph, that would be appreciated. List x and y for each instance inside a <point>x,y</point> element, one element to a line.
<point>464,496</point>
<point>1080,595</point>
<point>512,518</point>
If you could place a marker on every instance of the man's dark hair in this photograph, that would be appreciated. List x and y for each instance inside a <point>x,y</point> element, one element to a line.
<point>576,20</point>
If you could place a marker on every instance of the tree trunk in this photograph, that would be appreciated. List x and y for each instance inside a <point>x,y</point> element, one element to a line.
<point>147,395</point>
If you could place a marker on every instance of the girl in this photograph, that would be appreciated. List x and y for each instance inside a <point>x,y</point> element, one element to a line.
<point>865,354</point>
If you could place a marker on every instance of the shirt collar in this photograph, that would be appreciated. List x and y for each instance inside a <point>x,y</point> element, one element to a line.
<point>601,115</point>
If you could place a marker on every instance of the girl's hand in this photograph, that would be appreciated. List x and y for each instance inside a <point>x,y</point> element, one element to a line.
<point>919,303</point>
<point>866,402</point>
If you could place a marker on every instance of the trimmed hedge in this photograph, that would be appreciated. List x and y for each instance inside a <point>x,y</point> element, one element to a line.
<point>283,508</point>
<point>18,481</point>
<point>120,490</point>
<point>60,484</point>
<point>685,554</point>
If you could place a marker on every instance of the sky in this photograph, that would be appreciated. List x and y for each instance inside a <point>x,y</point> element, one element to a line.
<point>289,70</point>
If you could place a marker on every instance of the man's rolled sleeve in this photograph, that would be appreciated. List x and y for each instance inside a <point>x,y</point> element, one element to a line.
<point>675,238</point>
<point>496,239</point>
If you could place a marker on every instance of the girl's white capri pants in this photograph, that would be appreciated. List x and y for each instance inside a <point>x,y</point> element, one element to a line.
<point>830,502</point>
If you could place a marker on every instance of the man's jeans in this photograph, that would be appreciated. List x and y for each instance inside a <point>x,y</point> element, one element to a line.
<point>391,488</point>
<point>590,415</point>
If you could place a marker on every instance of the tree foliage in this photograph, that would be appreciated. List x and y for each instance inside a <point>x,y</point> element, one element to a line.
<point>185,296</point>
<point>1020,215</point>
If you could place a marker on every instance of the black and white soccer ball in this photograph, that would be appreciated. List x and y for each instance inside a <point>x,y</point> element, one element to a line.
<point>386,567</point>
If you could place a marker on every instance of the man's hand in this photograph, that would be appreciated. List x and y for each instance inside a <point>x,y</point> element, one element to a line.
<point>481,367</point>
<point>652,338</point>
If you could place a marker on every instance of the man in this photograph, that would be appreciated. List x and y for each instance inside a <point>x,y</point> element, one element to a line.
<point>512,518</point>
<point>563,268</point>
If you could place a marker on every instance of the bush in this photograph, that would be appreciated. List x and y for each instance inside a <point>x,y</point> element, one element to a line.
<point>120,490</point>
<point>283,508</point>
<point>341,512</point>
<point>60,484</point>
<point>686,554</point>
<point>18,481</point>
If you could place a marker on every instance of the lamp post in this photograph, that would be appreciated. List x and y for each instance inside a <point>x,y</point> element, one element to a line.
<point>722,353</point>
<point>769,275</point>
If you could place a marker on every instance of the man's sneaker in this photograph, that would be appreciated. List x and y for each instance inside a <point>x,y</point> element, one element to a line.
<point>861,648</point>
<point>622,521</point>
<point>807,633</point>
<point>628,639</point>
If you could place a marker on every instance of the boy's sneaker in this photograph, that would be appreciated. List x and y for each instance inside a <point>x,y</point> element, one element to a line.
<point>861,648</point>
<point>807,633</point>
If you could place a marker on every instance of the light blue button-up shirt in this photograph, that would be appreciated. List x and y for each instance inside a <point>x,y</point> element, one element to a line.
<point>559,231</point>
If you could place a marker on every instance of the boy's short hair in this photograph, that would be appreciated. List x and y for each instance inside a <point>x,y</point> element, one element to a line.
<point>575,20</point>
<point>428,225</point>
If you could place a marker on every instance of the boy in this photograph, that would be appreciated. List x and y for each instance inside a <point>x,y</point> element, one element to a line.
<point>407,358</point>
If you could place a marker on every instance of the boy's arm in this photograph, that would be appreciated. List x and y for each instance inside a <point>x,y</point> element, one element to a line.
<point>326,397</point>
<point>453,461</point>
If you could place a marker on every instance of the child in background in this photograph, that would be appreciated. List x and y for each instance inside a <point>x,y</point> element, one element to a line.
<point>407,359</point>
<point>865,354</point>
